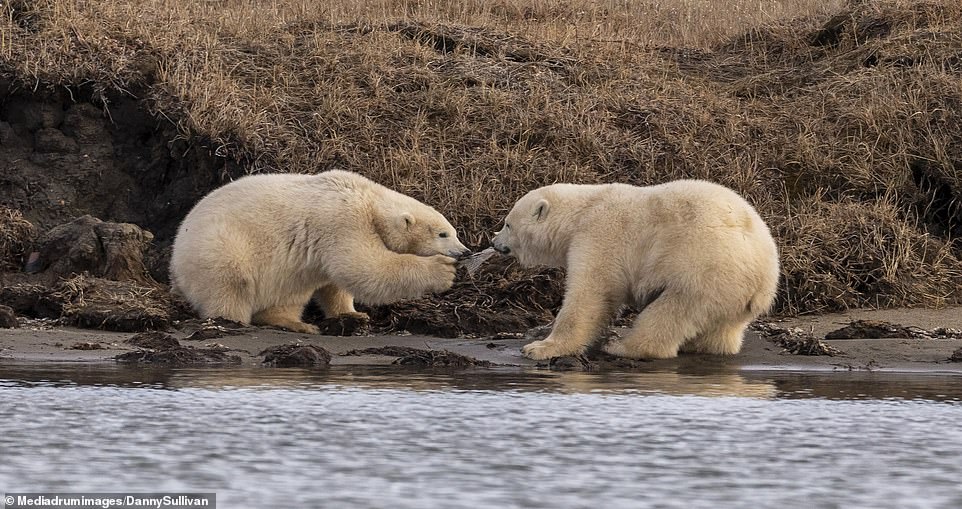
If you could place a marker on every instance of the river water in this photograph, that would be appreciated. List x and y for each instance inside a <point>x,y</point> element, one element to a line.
<point>485,438</point>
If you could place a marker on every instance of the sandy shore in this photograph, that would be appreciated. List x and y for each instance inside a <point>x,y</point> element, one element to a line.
<point>36,343</point>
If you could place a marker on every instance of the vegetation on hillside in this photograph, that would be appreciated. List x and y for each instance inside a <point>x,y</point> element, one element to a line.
<point>841,122</point>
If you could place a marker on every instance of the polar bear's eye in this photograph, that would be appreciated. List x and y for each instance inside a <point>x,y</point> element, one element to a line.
<point>443,235</point>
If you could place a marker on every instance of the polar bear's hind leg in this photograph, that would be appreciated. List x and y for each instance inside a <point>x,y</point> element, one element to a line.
<point>335,301</point>
<point>658,331</point>
<point>724,338</point>
<point>287,317</point>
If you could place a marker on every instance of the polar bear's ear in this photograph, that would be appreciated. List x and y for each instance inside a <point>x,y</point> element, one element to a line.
<point>541,209</point>
<point>406,220</point>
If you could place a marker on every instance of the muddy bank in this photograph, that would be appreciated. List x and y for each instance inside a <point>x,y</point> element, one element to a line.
<point>39,341</point>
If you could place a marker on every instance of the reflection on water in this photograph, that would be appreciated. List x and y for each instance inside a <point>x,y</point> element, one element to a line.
<point>724,382</point>
<point>485,438</point>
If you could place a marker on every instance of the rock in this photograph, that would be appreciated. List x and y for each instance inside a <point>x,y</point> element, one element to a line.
<point>160,348</point>
<point>8,319</point>
<point>154,340</point>
<point>87,244</point>
<point>956,356</point>
<point>296,355</point>
<point>871,329</point>
<point>181,356</point>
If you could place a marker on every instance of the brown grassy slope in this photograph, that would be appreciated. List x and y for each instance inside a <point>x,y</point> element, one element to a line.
<point>843,127</point>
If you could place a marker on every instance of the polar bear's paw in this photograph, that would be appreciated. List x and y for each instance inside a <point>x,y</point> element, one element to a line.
<point>615,347</point>
<point>636,350</point>
<point>546,349</point>
<point>302,327</point>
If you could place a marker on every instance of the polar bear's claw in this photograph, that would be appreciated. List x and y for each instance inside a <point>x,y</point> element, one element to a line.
<point>545,349</point>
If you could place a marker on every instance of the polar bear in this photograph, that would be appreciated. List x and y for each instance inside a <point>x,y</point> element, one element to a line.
<point>693,254</point>
<point>257,249</point>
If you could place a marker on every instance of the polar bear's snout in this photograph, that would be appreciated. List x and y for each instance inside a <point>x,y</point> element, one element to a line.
<point>459,253</point>
<point>499,244</point>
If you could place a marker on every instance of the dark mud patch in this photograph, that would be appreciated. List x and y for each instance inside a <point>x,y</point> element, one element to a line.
<point>212,332</point>
<point>153,340</point>
<point>956,356</point>
<point>439,359</point>
<point>594,360</point>
<point>168,351</point>
<point>295,355</point>
<point>567,363</point>
<point>210,328</point>
<point>389,351</point>
<point>500,297</point>
<point>86,345</point>
<point>876,329</point>
<point>795,341</point>
<point>418,357</point>
<point>70,151</point>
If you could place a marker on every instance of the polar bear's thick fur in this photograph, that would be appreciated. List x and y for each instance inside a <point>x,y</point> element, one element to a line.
<point>694,255</point>
<point>255,250</point>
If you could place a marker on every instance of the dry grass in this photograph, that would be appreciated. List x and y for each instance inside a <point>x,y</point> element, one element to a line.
<point>16,235</point>
<point>840,121</point>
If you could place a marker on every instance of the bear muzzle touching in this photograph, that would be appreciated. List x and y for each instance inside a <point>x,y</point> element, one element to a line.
<point>501,240</point>
<point>458,254</point>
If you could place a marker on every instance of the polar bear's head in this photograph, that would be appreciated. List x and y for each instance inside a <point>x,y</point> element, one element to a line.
<point>533,231</point>
<point>419,230</point>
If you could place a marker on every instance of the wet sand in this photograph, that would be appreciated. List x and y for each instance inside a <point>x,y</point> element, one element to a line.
<point>39,343</point>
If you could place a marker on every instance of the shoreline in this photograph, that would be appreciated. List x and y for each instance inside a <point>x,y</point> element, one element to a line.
<point>37,343</point>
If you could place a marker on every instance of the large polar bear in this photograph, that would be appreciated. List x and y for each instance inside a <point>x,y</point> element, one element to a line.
<point>694,255</point>
<point>255,250</point>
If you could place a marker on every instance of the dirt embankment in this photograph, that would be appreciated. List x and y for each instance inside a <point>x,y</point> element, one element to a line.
<point>845,130</point>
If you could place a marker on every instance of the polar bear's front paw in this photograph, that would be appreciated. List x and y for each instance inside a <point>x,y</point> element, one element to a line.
<point>546,349</point>
<point>442,271</point>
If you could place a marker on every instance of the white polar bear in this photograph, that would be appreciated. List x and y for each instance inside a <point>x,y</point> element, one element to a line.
<point>694,255</point>
<point>255,250</point>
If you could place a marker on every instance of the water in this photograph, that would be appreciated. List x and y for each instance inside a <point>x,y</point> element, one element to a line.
<point>486,438</point>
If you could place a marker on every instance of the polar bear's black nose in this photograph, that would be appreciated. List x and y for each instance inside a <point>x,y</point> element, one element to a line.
<point>503,249</point>
<point>462,254</point>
